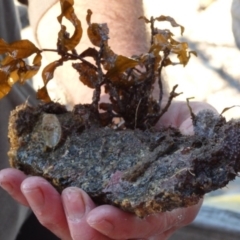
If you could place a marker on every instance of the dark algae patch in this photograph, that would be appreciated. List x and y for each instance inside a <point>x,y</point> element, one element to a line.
<point>111,149</point>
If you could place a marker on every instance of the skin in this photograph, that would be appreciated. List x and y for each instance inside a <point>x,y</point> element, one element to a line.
<point>73,215</point>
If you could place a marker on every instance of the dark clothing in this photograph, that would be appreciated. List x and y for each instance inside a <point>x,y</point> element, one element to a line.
<point>9,21</point>
<point>12,214</point>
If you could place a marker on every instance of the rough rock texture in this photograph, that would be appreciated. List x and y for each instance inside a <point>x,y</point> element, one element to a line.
<point>139,171</point>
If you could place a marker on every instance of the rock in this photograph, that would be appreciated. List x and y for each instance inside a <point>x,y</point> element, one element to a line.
<point>142,172</point>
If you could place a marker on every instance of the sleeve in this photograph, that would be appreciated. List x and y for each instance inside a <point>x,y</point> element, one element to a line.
<point>12,214</point>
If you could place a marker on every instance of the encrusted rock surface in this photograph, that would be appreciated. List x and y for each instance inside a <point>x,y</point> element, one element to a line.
<point>139,171</point>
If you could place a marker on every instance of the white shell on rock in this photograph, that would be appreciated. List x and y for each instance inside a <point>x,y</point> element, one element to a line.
<point>51,129</point>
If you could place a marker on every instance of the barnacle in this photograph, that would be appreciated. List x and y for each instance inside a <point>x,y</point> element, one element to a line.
<point>52,130</point>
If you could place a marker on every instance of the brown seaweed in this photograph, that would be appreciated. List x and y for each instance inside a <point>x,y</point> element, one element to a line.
<point>128,81</point>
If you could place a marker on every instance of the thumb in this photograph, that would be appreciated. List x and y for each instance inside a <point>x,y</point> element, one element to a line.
<point>186,127</point>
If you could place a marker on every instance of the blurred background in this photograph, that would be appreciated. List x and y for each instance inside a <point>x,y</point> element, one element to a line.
<point>214,76</point>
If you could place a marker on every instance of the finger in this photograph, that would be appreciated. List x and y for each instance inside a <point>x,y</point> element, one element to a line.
<point>77,205</point>
<point>117,224</point>
<point>178,112</point>
<point>46,204</point>
<point>10,181</point>
<point>186,127</point>
<point>191,213</point>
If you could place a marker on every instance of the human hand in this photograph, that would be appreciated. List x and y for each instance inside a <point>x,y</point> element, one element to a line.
<point>73,215</point>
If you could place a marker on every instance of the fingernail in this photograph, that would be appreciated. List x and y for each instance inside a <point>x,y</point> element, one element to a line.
<point>102,225</point>
<point>74,204</point>
<point>35,198</point>
<point>6,185</point>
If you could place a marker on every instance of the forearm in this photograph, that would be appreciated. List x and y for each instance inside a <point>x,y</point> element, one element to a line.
<point>127,33</point>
